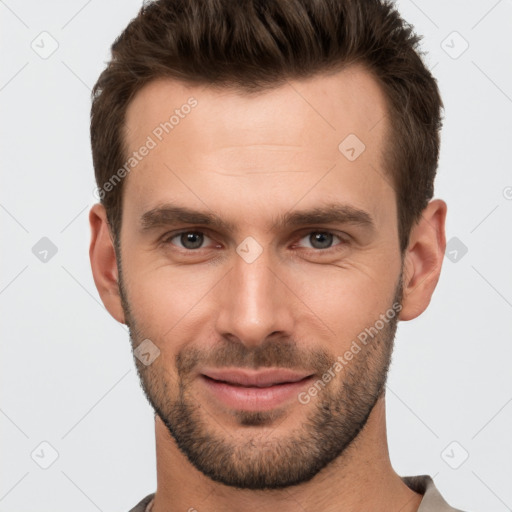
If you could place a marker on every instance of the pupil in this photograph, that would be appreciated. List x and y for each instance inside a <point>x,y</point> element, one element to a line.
<point>321,240</point>
<point>191,240</point>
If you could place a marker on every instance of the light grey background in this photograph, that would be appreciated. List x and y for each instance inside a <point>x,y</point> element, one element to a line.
<point>67,374</point>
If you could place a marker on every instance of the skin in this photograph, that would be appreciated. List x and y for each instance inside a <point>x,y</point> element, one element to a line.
<point>249,158</point>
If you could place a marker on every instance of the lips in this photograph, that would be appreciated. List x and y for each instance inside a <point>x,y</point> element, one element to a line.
<point>256,379</point>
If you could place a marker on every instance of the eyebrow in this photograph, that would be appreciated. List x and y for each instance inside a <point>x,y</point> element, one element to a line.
<point>332,213</point>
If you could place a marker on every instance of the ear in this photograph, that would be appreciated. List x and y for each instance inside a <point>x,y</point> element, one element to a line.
<point>423,260</point>
<point>103,262</point>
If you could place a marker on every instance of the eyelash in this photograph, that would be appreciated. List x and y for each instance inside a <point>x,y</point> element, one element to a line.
<point>344,240</point>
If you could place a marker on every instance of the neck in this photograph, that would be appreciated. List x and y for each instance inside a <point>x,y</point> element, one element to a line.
<point>360,479</point>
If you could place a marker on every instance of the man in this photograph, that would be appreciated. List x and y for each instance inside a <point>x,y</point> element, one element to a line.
<point>266,171</point>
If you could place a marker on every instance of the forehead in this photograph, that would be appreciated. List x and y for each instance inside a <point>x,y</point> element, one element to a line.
<point>350,99</point>
<point>318,138</point>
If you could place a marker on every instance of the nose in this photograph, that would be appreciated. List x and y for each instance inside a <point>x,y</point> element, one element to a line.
<point>255,302</point>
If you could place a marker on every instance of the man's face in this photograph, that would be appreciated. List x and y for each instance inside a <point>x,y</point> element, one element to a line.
<point>267,289</point>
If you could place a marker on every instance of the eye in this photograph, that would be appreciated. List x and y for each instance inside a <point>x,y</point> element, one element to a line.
<point>195,240</point>
<point>188,240</point>
<point>322,240</point>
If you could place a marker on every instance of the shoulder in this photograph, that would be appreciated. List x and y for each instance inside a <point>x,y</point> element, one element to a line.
<point>142,505</point>
<point>432,500</point>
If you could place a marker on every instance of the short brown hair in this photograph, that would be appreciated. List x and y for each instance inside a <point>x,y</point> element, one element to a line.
<point>253,45</point>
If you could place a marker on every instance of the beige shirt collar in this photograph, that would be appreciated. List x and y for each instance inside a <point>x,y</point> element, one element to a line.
<point>432,500</point>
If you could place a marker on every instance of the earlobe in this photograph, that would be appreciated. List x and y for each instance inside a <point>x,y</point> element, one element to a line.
<point>103,262</point>
<point>423,260</point>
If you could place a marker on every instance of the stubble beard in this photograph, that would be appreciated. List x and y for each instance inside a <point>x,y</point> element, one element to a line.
<point>257,456</point>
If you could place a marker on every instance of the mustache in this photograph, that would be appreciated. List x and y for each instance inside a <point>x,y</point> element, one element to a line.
<point>271,353</point>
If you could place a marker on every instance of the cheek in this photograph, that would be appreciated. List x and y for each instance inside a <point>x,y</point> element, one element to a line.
<point>168,302</point>
<point>346,300</point>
